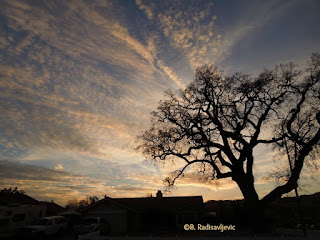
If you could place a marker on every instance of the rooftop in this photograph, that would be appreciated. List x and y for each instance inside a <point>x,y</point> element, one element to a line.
<point>160,203</point>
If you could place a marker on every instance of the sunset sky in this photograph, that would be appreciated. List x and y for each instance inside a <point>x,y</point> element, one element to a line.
<point>78,80</point>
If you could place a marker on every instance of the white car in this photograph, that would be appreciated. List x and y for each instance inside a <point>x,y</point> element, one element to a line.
<point>49,225</point>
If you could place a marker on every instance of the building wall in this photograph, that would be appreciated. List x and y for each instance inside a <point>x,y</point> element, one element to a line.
<point>133,222</point>
<point>114,214</point>
<point>20,216</point>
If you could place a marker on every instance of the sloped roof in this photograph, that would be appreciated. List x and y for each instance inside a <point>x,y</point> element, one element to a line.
<point>53,208</point>
<point>163,204</point>
<point>7,198</point>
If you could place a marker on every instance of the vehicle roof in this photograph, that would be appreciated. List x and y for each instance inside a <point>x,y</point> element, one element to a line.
<point>52,217</point>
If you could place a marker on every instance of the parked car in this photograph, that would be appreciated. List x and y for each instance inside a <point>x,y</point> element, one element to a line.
<point>94,233</point>
<point>29,233</point>
<point>309,226</point>
<point>73,218</point>
<point>90,223</point>
<point>45,226</point>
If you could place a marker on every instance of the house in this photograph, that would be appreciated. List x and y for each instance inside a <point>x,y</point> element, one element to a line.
<point>284,212</point>
<point>18,210</point>
<point>53,209</point>
<point>150,214</point>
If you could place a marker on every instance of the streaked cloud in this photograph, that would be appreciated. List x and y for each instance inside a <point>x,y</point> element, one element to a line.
<point>191,29</point>
<point>45,184</point>
<point>148,10</point>
<point>171,74</point>
<point>78,80</point>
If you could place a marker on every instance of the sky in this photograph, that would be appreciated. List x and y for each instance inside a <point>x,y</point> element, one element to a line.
<point>78,80</point>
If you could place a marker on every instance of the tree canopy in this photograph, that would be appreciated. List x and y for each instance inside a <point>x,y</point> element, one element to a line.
<point>13,191</point>
<point>217,122</point>
<point>76,204</point>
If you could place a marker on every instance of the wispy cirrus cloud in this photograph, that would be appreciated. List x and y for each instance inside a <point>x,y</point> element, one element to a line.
<point>148,10</point>
<point>58,89</point>
<point>189,28</point>
<point>78,80</point>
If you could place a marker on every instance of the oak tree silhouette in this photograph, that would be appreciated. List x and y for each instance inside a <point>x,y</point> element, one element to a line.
<point>217,122</point>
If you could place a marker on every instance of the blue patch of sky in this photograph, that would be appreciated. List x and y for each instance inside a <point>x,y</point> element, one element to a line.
<point>293,34</point>
<point>228,12</point>
<point>289,36</point>
<point>133,16</point>
<point>9,103</point>
<point>4,23</point>
<point>116,71</point>
<point>13,152</point>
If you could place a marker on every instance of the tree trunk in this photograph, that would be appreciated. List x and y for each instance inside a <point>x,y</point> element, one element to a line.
<point>253,206</point>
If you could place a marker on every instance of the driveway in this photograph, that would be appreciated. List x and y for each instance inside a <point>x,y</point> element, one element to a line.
<point>62,236</point>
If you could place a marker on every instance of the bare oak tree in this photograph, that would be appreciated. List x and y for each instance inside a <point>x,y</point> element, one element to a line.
<point>217,123</point>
